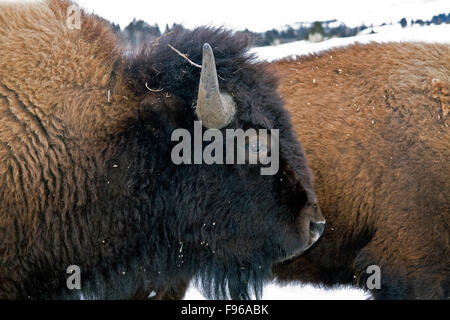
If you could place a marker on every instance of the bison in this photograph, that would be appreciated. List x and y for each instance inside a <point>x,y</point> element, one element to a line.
<point>374,122</point>
<point>87,181</point>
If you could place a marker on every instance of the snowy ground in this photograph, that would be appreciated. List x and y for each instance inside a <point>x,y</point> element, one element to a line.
<point>434,33</point>
<point>296,292</point>
<point>388,33</point>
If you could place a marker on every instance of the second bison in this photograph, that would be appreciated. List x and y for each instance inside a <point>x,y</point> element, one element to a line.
<point>374,122</point>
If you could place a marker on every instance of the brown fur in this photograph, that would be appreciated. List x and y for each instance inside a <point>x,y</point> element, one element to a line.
<point>50,63</point>
<point>374,123</point>
<point>34,72</point>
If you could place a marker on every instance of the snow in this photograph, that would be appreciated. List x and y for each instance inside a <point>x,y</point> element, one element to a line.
<point>274,291</point>
<point>388,33</point>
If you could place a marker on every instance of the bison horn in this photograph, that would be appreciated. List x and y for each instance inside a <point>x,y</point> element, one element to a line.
<point>214,108</point>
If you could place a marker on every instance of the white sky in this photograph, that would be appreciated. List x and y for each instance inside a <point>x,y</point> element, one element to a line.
<point>261,15</point>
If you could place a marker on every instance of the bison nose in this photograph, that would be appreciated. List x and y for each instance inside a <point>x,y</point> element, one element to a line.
<point>316,229</point>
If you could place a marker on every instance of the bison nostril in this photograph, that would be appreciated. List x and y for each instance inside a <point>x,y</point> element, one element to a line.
<point>317,228</point>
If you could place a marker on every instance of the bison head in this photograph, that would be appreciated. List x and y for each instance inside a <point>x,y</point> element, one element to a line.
<point>225,223</point>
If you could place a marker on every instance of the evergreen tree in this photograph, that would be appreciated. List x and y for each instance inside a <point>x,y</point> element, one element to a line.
<point>317,28</point>
<point>403,22</point>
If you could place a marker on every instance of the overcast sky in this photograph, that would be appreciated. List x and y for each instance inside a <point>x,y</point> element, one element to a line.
<point>261,15</point>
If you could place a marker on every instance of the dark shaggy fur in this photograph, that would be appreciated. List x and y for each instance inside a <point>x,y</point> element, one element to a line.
<point>86,177</point>
<point>374,121</point>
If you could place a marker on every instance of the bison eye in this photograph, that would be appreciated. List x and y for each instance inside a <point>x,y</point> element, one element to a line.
<point>257,147</point>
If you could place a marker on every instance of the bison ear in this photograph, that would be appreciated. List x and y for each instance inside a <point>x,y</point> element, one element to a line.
<point>214,108</point>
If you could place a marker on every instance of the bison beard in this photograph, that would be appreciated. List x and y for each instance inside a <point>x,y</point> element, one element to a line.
<point>85,171</point>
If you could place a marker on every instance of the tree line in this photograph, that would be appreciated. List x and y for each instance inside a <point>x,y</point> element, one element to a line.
<point>139,31</point>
